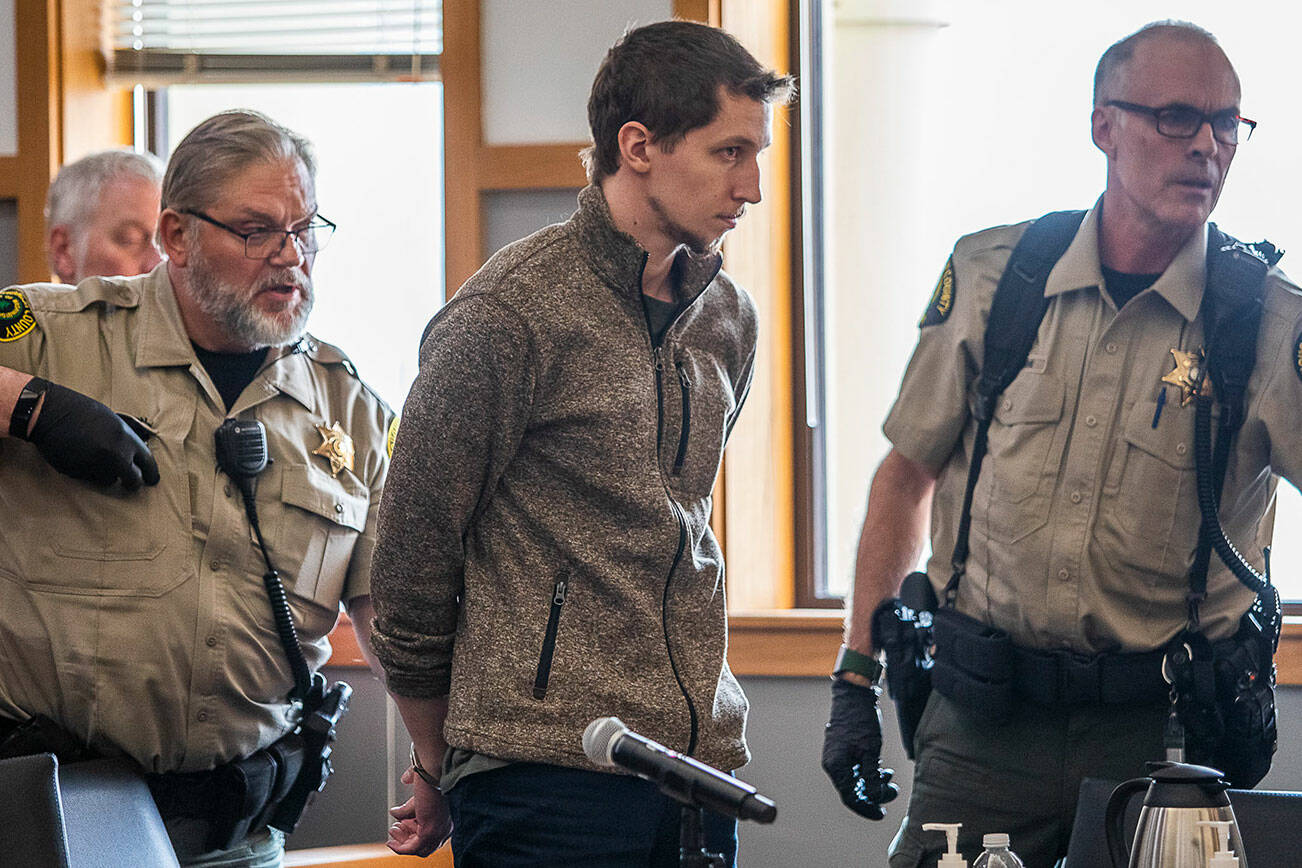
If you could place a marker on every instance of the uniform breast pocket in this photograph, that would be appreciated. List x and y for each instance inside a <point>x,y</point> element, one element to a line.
<point>320,518</point>
<point>1022,457</point>
<point>69,537</point>
<point>1149,510</point>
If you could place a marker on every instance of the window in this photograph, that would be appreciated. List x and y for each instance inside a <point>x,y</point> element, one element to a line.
<point>938,126</point>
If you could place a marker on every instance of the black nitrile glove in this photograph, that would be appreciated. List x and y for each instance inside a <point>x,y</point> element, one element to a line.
<point>80,437</point>
<point>852,750</point>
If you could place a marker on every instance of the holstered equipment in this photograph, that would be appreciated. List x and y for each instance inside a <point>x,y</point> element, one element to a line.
<point>236,798</point>
<point>271,787</point>
<point>974,664</point>
<point>1223,692</point>
<point>902,629</point>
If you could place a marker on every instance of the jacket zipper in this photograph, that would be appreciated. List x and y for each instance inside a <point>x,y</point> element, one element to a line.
<point>549,639</point>
<point>686,429</point>
<point>664,623</point>
<point>658,361</point>
<point>659,364</point>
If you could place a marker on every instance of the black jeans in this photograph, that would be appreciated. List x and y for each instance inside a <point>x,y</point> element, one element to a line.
<point>527,814</point>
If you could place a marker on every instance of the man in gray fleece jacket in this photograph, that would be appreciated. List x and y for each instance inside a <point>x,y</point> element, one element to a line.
<point>544,554</point>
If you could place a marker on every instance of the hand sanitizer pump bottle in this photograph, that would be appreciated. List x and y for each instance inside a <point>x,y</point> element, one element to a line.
<point>952,858</point>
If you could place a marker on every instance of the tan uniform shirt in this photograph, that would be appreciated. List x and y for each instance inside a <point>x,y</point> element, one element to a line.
<point>140,621</point>
<point>1085,517</point>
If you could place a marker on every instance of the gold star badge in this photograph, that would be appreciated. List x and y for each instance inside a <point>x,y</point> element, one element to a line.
<point>335,445</point>
<point>1188,376</point>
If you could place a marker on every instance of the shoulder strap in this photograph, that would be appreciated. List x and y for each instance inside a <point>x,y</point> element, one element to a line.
<point>1232,307</point>
<point>1019,303</point>
<point>1015,314</point>
<point>1236,278</point>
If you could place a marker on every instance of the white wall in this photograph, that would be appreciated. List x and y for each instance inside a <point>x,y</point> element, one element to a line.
<point>539,59</point>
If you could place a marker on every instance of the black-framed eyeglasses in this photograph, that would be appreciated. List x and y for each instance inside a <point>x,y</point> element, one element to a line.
<point>265,243</point>
<point>1179,121</point>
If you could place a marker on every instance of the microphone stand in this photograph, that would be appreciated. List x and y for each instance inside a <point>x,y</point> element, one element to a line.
<point>691,841</point>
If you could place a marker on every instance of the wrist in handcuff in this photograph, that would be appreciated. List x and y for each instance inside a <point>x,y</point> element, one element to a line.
<point>420,771</point>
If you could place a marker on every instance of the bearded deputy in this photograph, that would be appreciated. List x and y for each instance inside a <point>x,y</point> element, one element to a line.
<point>136,618</point>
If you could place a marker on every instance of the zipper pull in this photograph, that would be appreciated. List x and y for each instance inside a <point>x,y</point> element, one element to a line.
<point>659,361</point>
<point>682,377</point>
<point>558,595</point>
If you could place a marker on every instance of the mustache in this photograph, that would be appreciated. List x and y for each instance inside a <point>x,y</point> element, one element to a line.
<point>285,277</point>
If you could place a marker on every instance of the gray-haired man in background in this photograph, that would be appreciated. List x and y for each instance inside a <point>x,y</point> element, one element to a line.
<point>100,215</point>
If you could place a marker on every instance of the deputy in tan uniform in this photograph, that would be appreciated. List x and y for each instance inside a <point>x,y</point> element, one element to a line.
<point>135,615</point>
<point>1085,516</point>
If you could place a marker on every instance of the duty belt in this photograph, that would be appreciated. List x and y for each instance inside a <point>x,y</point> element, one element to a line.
<point>236,798</point>
<point>1067,678</point>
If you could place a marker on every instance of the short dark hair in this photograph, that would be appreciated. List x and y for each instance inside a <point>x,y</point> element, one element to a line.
<point>667,76</point>
<point>1121,51</point>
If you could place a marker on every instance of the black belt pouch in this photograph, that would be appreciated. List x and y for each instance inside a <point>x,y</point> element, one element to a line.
<point>246,790</point>
<point>974,665</point>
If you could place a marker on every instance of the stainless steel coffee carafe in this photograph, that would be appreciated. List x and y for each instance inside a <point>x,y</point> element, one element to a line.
<point>1177,825</point>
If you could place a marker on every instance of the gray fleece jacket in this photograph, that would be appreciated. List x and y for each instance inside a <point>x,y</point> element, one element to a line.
<point>544,552</point>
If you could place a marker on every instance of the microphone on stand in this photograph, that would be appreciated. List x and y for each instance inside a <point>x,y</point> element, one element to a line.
<point>608,742</point>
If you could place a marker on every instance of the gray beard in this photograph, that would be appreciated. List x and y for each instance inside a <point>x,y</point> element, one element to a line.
<point>228,307</point>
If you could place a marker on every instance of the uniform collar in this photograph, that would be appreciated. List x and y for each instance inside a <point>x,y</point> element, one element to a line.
<point>619,259</point>
<point>286,372</point>
<point>162,341</point>
<point>1181,284</point>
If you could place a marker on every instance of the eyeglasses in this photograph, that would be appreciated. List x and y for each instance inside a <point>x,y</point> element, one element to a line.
<point>265,243</point>
<point>1184,121</point>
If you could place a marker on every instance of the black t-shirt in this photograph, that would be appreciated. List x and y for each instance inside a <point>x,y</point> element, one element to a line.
<point>230,372</point>
<point>659,314</point>
<point>1123,287</point>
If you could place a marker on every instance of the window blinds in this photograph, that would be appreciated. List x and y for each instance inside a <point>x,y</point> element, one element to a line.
<point>159,42</point>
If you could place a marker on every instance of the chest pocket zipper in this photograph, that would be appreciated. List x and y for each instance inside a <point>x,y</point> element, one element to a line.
<point>549,639</point>
<point>686,387</point>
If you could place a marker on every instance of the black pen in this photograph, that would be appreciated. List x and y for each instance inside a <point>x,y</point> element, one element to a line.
<point>1161,402</point>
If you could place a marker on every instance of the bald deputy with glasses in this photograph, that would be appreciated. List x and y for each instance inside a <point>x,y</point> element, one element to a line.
<point>1079,557</point>
<point>136,621</point>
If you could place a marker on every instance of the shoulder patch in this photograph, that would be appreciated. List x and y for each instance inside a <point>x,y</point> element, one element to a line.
<point>16,318</point>
<point>392,436</point>
<point>942,300</point>
<point>1297,356</point>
